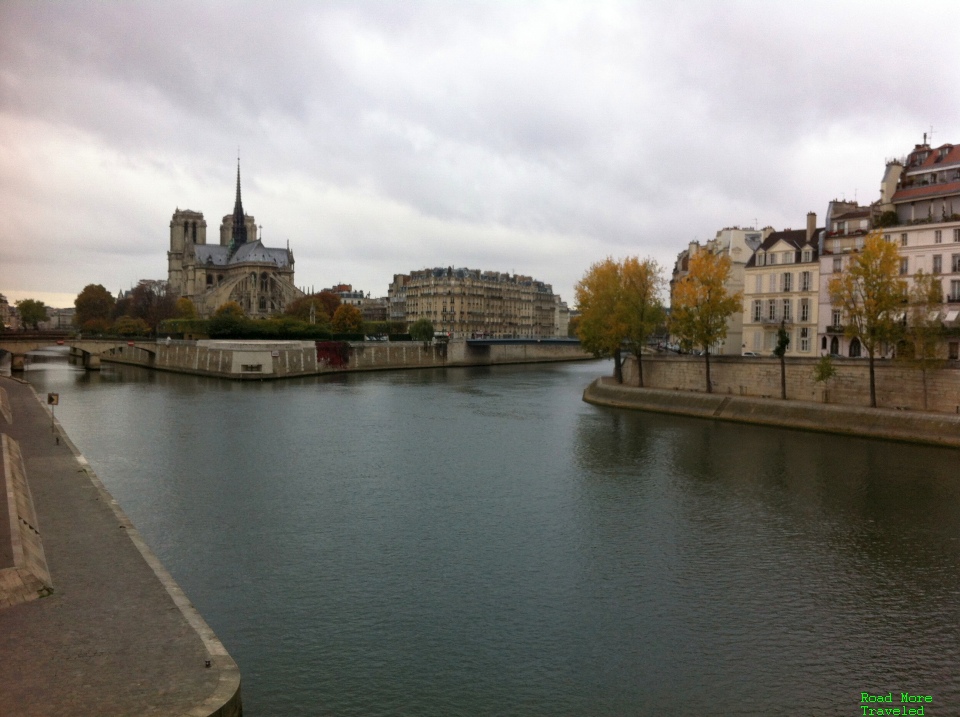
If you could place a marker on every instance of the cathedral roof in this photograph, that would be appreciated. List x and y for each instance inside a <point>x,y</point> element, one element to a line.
<point>248,253</point>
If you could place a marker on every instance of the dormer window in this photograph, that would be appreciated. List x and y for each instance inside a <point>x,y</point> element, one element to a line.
<point>760,258</point>
<point>807,256</point>
<point>773,259</point>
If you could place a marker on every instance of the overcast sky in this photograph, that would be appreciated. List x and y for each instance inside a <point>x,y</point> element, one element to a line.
<point>385,136</point>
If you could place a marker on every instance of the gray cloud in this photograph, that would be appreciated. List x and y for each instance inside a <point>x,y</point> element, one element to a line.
<point>383,137</point>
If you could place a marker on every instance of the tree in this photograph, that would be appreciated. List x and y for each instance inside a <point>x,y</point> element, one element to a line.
<point>184,309</point>
<point>641,305</point>
<point>783,340</point>
<point>823,371</point>
<point>129,326</point>
<point>347,319</point>
<point>228,321</point>
<point>330,301</point>
<point>230,308</point>
<point>94,308</point>
<point>32,312</point>
<point>152,301</point>
<point>602,327</point>
<point>312,308</point>
<point>702,304</point>
<point>422,330</point>
<point>871,294</point>
<point>924,330</point>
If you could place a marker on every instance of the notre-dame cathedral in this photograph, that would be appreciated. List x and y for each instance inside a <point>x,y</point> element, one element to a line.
<point>239,269</point>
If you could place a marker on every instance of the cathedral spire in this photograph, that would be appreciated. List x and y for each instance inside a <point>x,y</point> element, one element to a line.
<point>239,220</point>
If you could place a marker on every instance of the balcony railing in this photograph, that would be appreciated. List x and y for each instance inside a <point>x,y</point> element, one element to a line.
<point>835,329</point>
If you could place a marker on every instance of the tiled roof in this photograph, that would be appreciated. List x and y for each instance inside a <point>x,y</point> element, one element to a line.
<point>934,157</point>
<point>925,191</point>
<point>854,214</point>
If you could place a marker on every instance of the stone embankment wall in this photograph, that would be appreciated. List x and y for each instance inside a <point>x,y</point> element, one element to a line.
<point>28,577</point>
<point>282,359</point>
<point>898,385</point>
<point>885,423</point>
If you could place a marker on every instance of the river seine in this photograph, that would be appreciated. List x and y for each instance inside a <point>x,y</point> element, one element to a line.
<point>482,542</point>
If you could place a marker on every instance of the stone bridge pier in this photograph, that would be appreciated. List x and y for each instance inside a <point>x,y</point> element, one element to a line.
<point>90,361</point>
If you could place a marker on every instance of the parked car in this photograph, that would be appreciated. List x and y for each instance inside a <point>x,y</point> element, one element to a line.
<point>752,354</point>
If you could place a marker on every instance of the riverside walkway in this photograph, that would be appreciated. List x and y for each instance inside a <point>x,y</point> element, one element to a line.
<point>116,636</point>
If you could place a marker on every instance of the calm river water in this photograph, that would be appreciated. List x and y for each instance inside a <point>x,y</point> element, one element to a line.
<point>482,542</point>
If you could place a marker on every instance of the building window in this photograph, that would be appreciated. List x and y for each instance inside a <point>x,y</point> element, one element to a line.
<point>823,343</point>
<point>836,318</point>
<point>886,237</point>
<point>805,281</point>
<point>772,309</point>
<point>859,242</point>
<point>773,259</point>
<point>954,350</point>
<point>788,257</point>
<point>903,239</point>
<point>804,309</point>
<point>786,310</point>
<point>757,310</point>
<point>788,282</point>
<point>804,340</point>
<point>904,265</point>
<point>954,290</point>
<point>841,227</point>
<point>837,264</point>
<point>760,261</point>
<point>956,234</point>
<point>759,284</point>
<point>807,256</point>
<point>937,237</point>
<point>955,262</point>
<point>937,263</point>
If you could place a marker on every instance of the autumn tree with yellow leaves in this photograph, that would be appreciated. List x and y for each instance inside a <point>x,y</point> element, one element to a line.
<point>701,304</point>
<point>601,328</point>
<point>641,304</point>
<point>621,306</point>
<point>872,296</point>
<point>924,331</point>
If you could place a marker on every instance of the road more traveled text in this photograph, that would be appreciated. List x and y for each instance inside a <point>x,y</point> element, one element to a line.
<point>876,705</point>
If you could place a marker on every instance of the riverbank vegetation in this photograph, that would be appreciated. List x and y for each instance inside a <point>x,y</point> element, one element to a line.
<point>701,304</point>
<point>621,307</point>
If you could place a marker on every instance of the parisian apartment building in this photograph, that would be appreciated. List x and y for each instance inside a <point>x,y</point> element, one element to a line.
<point>785,275</point>
<point>471,303</point>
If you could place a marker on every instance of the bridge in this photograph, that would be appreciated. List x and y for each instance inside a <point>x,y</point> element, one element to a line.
<point>89,350</point>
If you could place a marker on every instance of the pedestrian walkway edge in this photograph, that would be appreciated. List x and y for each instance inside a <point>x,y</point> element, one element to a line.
<point>225,700</point>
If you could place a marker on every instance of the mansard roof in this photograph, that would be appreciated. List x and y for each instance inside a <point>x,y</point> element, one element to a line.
<point>796,238</point>
<point>941,164</point>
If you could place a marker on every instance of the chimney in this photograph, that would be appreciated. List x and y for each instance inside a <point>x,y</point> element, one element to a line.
<point>811,225</point>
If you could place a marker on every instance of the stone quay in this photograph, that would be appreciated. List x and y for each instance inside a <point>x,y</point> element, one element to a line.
<point>90,621</point>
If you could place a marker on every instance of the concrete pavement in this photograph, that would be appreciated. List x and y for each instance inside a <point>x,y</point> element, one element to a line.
<point>117,636</point>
